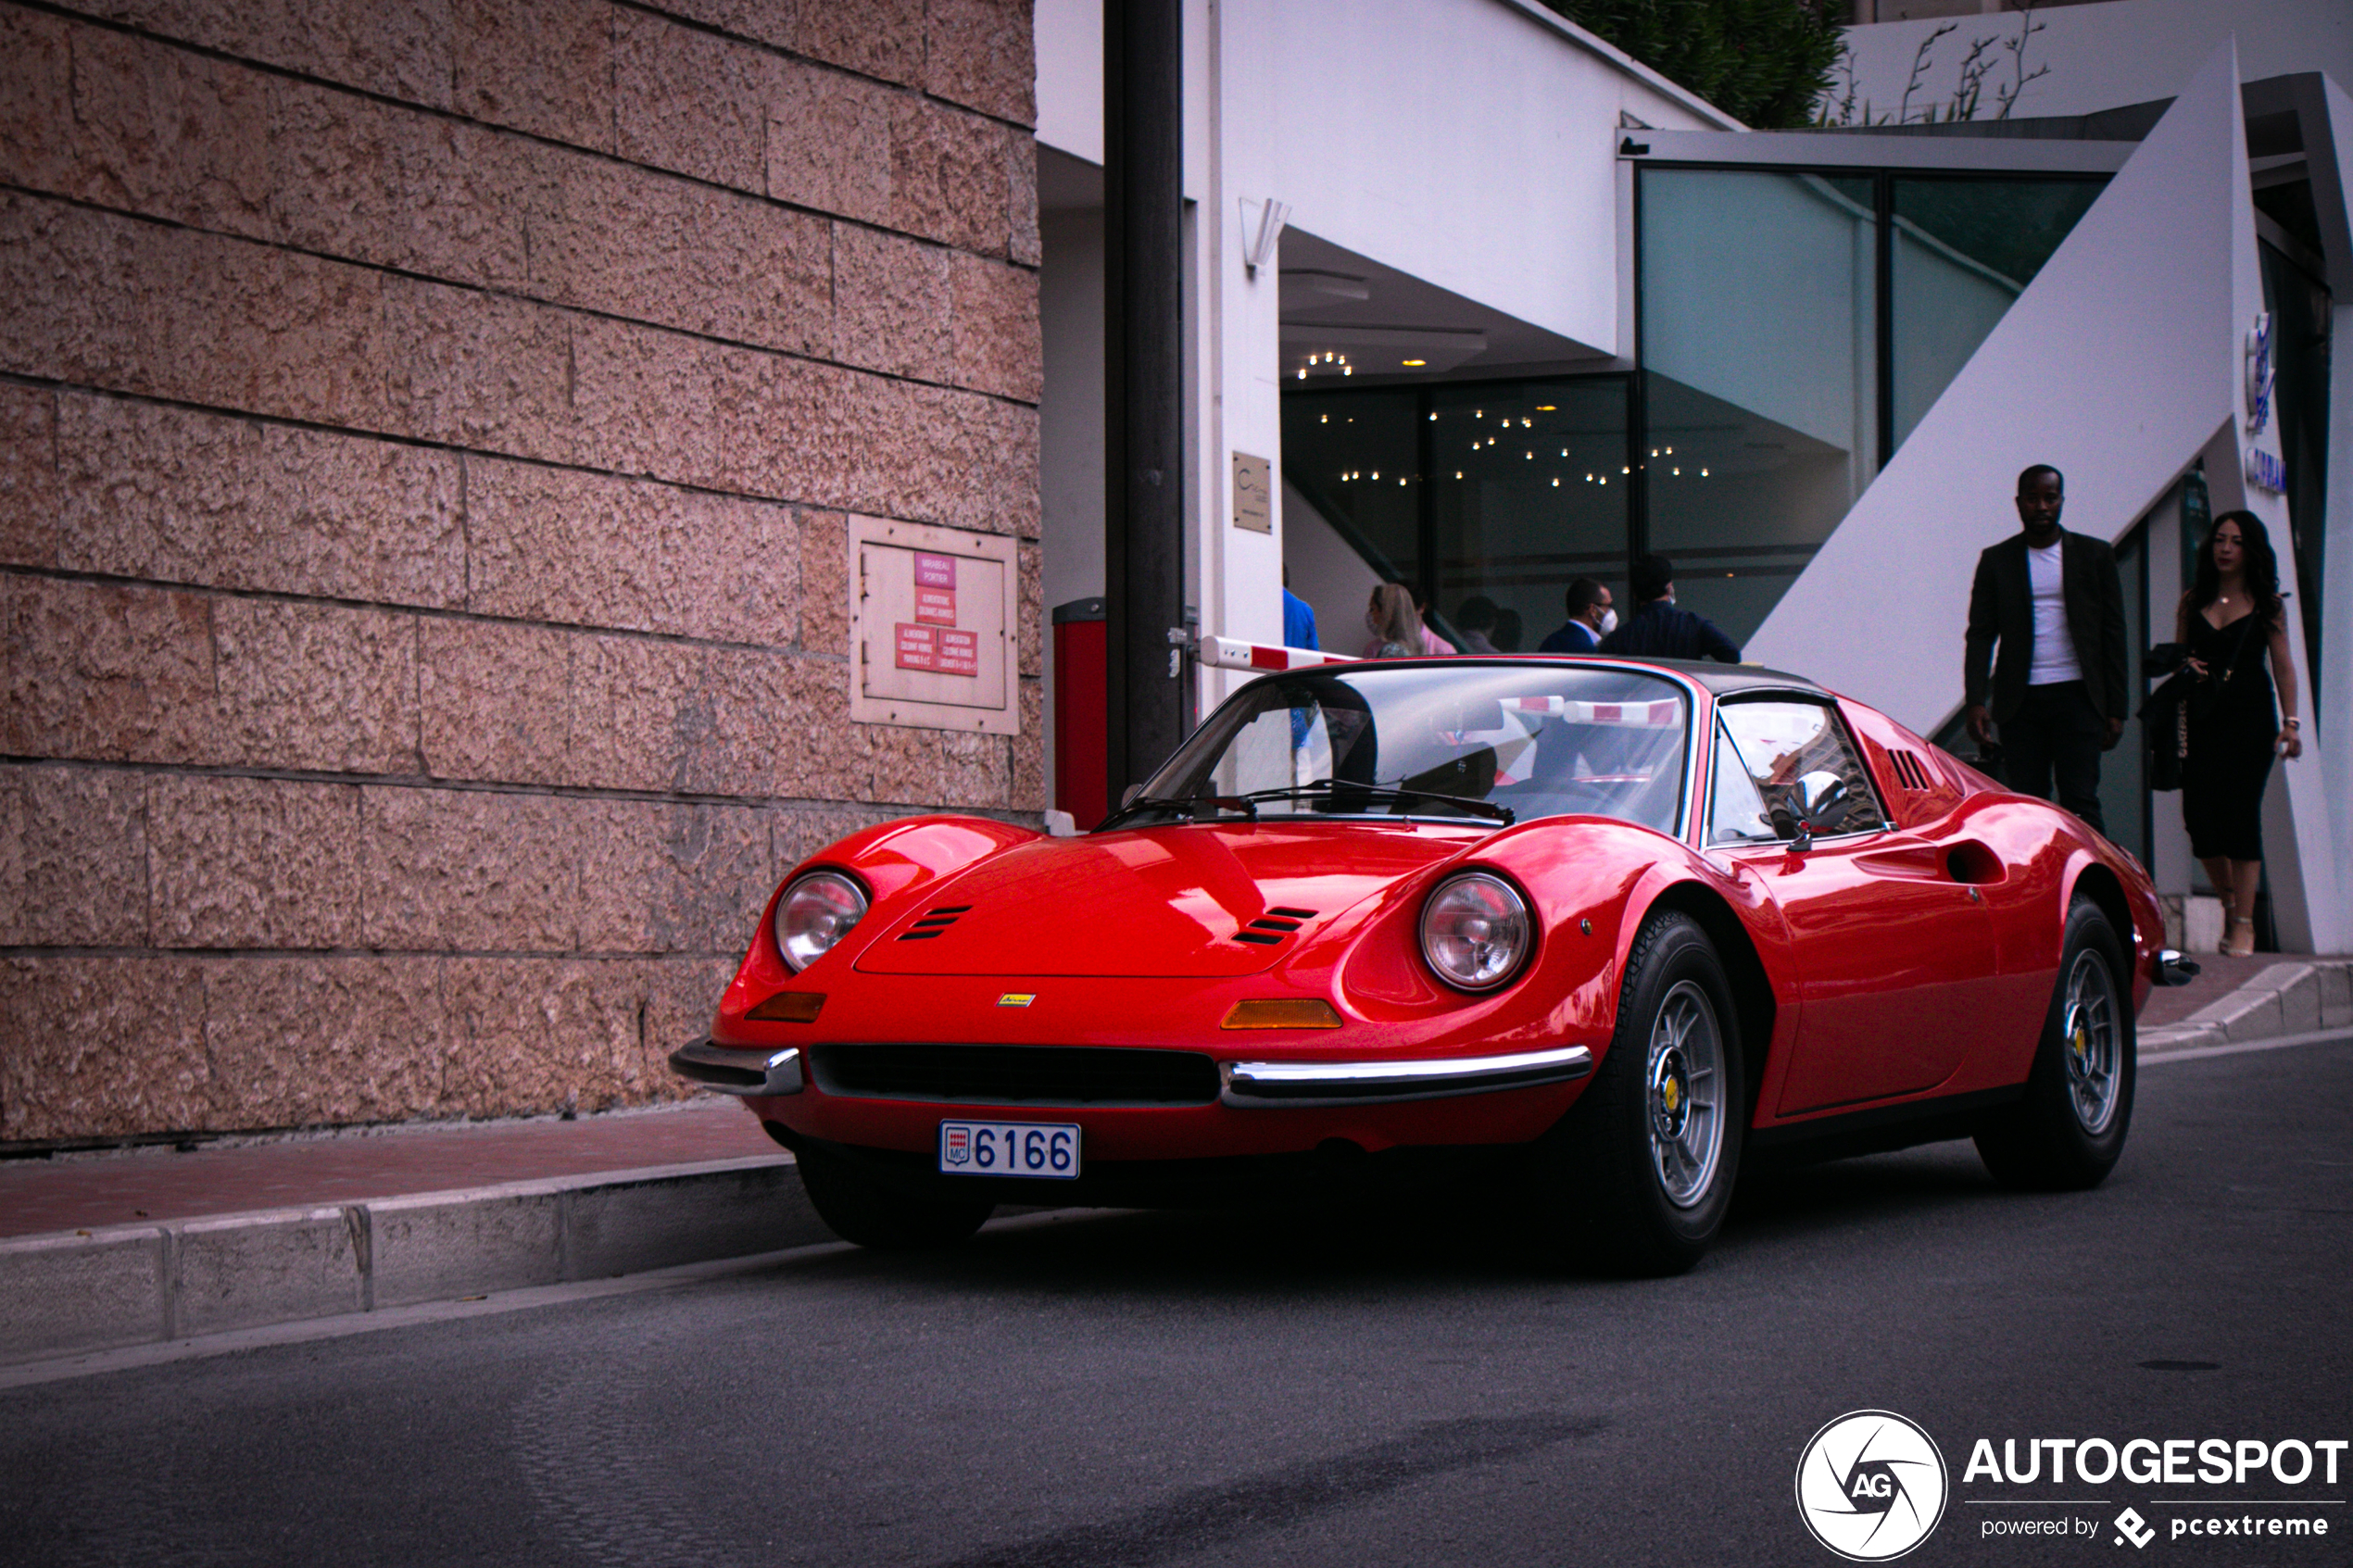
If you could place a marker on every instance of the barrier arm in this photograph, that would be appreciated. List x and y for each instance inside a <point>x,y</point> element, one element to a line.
<point>1232,653</point>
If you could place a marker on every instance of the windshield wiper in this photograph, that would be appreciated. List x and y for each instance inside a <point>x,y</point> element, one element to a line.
<point>1199,806</point>
<point>1328,788</point>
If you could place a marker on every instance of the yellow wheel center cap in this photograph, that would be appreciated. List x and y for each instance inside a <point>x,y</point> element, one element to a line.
<point>1672,1093</point>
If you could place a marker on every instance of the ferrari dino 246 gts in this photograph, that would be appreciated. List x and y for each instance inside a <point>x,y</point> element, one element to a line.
<point>1605,927</point>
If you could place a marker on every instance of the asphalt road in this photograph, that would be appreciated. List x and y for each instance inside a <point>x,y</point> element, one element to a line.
<point>1354,1387</point>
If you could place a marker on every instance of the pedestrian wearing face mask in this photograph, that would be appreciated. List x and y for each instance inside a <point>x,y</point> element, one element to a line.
<point>1658,630</point>
<point>1590,618</point>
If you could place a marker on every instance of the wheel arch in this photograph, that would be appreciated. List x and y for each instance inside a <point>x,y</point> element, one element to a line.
<point>2098,884</point>
<point>1743,971</point>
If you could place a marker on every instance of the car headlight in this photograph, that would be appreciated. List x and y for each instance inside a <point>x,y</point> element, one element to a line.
<point>815,913</point>
<point>1474,930</point>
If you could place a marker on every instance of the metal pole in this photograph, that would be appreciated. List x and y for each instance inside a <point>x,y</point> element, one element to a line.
<point>1143,432</point>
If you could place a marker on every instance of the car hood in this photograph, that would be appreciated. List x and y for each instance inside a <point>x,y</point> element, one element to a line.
<point>1161,902</point>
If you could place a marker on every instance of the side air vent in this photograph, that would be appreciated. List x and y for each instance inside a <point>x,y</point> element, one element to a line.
<point>933,922</point>
<point>1273,926</point>
<point>1909,772</point>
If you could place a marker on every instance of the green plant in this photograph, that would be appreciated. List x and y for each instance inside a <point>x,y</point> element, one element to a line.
<point>1764,62</point>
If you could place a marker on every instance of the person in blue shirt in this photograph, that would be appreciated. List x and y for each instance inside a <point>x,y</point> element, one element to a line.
<point>1657,630</point>
<point>1299,618</point>
<point>1590,619</point>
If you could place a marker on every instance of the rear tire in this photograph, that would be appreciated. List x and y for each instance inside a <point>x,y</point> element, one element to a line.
<point>1641,1169</point>
<point>859,1209</point>
<point>2067,1131</point>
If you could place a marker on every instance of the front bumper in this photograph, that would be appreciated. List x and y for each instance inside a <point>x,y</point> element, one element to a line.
<point>760,1073</point>
<point>1258,1084</point>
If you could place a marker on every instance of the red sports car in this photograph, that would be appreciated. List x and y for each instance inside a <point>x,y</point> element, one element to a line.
<point>1599,929</point>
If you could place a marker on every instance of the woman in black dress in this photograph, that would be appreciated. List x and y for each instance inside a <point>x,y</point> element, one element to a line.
<point>2229,621</point>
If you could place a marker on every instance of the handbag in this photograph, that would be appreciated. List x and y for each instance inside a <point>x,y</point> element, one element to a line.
<point>2165,729</point>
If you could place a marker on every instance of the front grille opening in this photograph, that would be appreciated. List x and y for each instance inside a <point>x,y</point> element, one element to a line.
<point>954,1074</point>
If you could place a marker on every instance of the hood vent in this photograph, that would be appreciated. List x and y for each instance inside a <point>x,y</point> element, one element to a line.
<point>933,921</point>
<point>1273,926</point>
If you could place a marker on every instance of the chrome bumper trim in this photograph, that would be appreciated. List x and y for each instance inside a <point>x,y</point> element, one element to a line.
<point>2172,969</point>
<point>1261,1085</point>
<point>733,1072</point>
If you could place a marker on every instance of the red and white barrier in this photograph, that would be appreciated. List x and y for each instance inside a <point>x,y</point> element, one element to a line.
<point>1232,653</point>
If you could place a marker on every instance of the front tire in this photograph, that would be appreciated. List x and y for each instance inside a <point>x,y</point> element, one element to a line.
<point>1642,1165</point>
<point>2067,1131</point>
<point>859,1209</point>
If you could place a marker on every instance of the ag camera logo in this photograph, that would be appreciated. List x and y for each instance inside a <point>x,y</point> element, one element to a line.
<point>1871,1486</point>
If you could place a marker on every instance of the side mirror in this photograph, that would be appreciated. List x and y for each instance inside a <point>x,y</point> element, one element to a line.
<point>1818,793</point>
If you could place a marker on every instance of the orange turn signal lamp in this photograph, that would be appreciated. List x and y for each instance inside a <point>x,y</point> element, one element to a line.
<point>1302,1012</point>
<point>789,1007</point>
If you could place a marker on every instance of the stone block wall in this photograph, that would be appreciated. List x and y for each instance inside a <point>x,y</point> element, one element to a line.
<point>428,430</point>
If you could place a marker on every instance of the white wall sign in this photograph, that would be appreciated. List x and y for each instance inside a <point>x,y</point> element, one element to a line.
<point>931,634</point>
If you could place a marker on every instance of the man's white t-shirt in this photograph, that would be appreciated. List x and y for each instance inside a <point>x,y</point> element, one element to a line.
<point>2054,649</point>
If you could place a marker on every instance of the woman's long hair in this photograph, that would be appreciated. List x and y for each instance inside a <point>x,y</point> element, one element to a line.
<point>2260,570</point>
<point>1394,618</point>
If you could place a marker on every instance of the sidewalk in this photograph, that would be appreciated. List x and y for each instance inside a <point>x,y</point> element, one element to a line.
<point>157,1183</point>
<point>101,1251</point>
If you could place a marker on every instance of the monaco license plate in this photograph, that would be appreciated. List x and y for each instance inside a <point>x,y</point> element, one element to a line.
<point>1009,1148</point>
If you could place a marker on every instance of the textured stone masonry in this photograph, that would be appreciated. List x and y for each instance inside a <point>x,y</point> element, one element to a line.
<point>427,434</point>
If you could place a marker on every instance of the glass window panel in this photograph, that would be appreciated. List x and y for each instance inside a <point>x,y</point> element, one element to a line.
<point>1961,251</point>
<point>1737,815</point>
<point>1356,458</point>
<point>2301,314</point>
<point>1781,743</point>
<point>1528,493</point>
<point>1759,310</point>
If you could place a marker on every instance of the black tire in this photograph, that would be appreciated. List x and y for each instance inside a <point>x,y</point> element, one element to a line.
<point>2065,1134</point>
<point>860,1209</point>
<point>1628,1191</point>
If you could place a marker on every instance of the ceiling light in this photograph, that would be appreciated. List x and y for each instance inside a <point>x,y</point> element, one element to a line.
<point>1418,362</point>
<point>1547,408</point>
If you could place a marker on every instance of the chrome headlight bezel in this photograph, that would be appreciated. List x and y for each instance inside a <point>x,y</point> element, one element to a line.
<point>1500,949</point>
<point>809,920</point>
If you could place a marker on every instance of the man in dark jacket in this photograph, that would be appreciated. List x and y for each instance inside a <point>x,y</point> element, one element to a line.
<point>1657,630</point>
<point>2058,686</point>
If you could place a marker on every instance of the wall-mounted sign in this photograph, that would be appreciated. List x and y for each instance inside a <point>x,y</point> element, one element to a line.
<point>2258,374</point>
<point>1254,507</point>
<point>2265,471</point>
<point>932,640</point>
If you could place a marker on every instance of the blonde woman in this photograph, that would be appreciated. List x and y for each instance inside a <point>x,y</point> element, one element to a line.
<point>1397,628</point>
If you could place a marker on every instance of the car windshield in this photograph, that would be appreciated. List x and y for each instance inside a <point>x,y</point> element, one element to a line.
<point>1480,743</point>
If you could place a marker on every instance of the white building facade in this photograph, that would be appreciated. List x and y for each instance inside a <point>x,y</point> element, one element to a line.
<point>1522,307</point>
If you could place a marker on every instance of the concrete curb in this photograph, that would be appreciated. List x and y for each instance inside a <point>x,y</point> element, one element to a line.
<point>78,1291</point>
<point>2287,998</point>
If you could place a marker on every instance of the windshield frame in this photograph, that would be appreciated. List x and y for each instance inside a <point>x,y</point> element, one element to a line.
<point>1699,710</point>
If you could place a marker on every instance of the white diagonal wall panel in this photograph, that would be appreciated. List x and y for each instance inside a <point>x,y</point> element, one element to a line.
<point>2113,365</point>
<point>2119,364</point>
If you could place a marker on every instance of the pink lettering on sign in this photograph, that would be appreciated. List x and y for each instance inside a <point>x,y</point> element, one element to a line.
<point>935,571</point>
<point>958,653</point>
<point>918,646</point>
<point>936,606</point>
